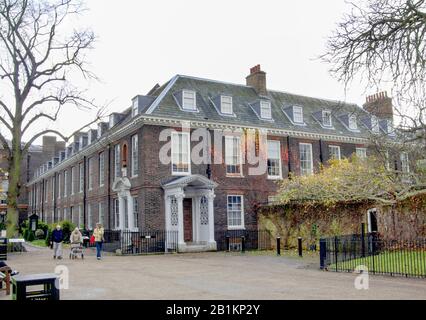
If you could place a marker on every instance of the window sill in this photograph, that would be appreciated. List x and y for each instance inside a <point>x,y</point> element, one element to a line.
<point>236,228</point>
<point>275,178</point>
<point>230,175</point>
<point>181,174</point>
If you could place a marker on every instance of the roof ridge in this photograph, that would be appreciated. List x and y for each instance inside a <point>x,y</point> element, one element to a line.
<point>271,90</point>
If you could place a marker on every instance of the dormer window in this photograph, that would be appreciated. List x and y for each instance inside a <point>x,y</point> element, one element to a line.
<point>226,105</point>
<point>390,127</point>
<point>135,107</point>
<point>265,110</point>
<point>352,123</point>
<point>326,118</point>
<point>111,121</point>
<point>375,124</point>
<point>298,114</point>
<point>188,100</point>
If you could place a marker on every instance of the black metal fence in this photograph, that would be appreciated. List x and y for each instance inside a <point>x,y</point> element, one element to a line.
<point>371,253</point>
<point>139,242</point>
<point>144,242</point>
<point>242,240</point>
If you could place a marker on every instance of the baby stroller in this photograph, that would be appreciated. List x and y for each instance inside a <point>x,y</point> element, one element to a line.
<point>76,250</point>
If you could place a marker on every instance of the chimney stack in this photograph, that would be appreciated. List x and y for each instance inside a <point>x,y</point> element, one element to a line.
<point>380,105</point>
<point>257,80</point>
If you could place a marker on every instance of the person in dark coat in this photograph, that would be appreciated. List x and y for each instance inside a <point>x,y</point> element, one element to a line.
<point>57,239</point>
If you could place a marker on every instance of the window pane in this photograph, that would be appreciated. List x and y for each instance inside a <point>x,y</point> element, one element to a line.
<point>265,110</point>
<point>298,114</point>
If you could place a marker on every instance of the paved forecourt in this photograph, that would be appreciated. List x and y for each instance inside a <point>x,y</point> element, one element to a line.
<point>209,276</point>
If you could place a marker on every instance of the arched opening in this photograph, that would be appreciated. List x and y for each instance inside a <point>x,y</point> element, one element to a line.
<point>124,155</point>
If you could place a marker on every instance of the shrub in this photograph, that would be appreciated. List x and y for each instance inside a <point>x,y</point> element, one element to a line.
<point>31,236</point>
<point>39,234</point>
<point>25,234</point>
<point>2,226</point>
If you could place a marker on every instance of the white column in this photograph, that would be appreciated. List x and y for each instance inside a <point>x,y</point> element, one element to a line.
<point>167,211</point>
<point>130,216</point>
<point>179,198</point>
<point>122,209</point>
<point>196,218</point>
<point>210,197</point>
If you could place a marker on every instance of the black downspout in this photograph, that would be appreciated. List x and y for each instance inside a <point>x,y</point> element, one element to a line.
<point>109,187</point>
<point>54,197</point>
<point>42,201</point>
<point>288,156</point>
<point>84,193</point>
<point>320,149</point>
<point>209,160</point>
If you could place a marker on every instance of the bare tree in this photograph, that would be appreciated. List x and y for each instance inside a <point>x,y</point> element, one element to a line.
<point>384,42</point>
<point>40,55</point>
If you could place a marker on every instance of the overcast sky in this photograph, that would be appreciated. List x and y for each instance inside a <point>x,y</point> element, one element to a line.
<point>142,43</point>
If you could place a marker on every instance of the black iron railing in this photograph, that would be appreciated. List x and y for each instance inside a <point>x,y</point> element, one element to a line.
<point>145,242</point>
<point>373,254</point>
<point>242,240</point>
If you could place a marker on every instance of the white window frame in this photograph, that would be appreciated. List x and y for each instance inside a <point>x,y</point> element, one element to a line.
<point>136,212</point>
<point>265,104</point>
<point>361,153</point>
<point>90,173</point>
<point>101,167</point>
<point>135,156</point>
<point>228,139</point>
<point>101,213</point>
<point>175,138</point>
<point>375,124</point>
<point>235,227</point>
<point>311,162</point>
<point>189,107</point>
<point>72,180</point>
<point>65,183</point>
<point>352,122</point>
<point>59,185</point>
<point>279,176</point>
<point>135,107</point>
<point>299,119</point>
<point>117,160</point>
<point>405,162</point>
<point>89,216</point>
<point>81,177</point>
<point>326,114</point>
<point>330,152</point>
<point>226,104</point>
<point>80,216</point>
<point>116,210</point>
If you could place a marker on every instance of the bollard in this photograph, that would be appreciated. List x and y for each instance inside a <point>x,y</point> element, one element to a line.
<point>243,244</point>
<point>227,243</point>
<point>278,246</point>
<point>299,246</point>
<point>323,253</point>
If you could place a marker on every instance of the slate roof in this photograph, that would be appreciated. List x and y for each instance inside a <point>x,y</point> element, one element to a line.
<point>243,96</point>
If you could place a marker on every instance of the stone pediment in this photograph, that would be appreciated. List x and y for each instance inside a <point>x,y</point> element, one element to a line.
<point>194,180</point>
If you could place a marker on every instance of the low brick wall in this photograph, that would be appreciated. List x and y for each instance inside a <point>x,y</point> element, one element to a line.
<point>407,220</point>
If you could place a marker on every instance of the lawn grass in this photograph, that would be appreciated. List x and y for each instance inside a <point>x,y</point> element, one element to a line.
<point>39,243</point>
<point>410,263</point>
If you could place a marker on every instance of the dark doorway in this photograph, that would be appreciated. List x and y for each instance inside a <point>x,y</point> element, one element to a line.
<point>373,221</point>
<point>187,220</point>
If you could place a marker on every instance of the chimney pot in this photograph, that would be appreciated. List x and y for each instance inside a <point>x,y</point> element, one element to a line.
<point>257,80</point>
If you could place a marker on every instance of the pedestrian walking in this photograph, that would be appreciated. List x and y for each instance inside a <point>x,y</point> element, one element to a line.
<point>56,242</point>
<point>98,233</point>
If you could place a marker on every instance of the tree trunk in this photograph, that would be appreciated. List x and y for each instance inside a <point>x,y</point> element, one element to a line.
<point>14,188</point>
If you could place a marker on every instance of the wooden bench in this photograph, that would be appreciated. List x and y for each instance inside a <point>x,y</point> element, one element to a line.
<point>5,277</point>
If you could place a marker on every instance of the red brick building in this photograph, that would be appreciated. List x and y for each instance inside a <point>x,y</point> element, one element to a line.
<point>148,167</point>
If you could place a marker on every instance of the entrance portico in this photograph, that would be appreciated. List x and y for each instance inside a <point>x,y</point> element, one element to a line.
<point>125,221</point>
<point>189,210</point>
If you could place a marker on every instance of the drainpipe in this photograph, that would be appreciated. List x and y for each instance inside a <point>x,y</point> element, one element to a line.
<point>209,169</point>
<point>320,149</point>
<point>84,191</point>
<point>54,196</point>
<point>42,201</point>
<point>288,156</point>
<point>109,186</point>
